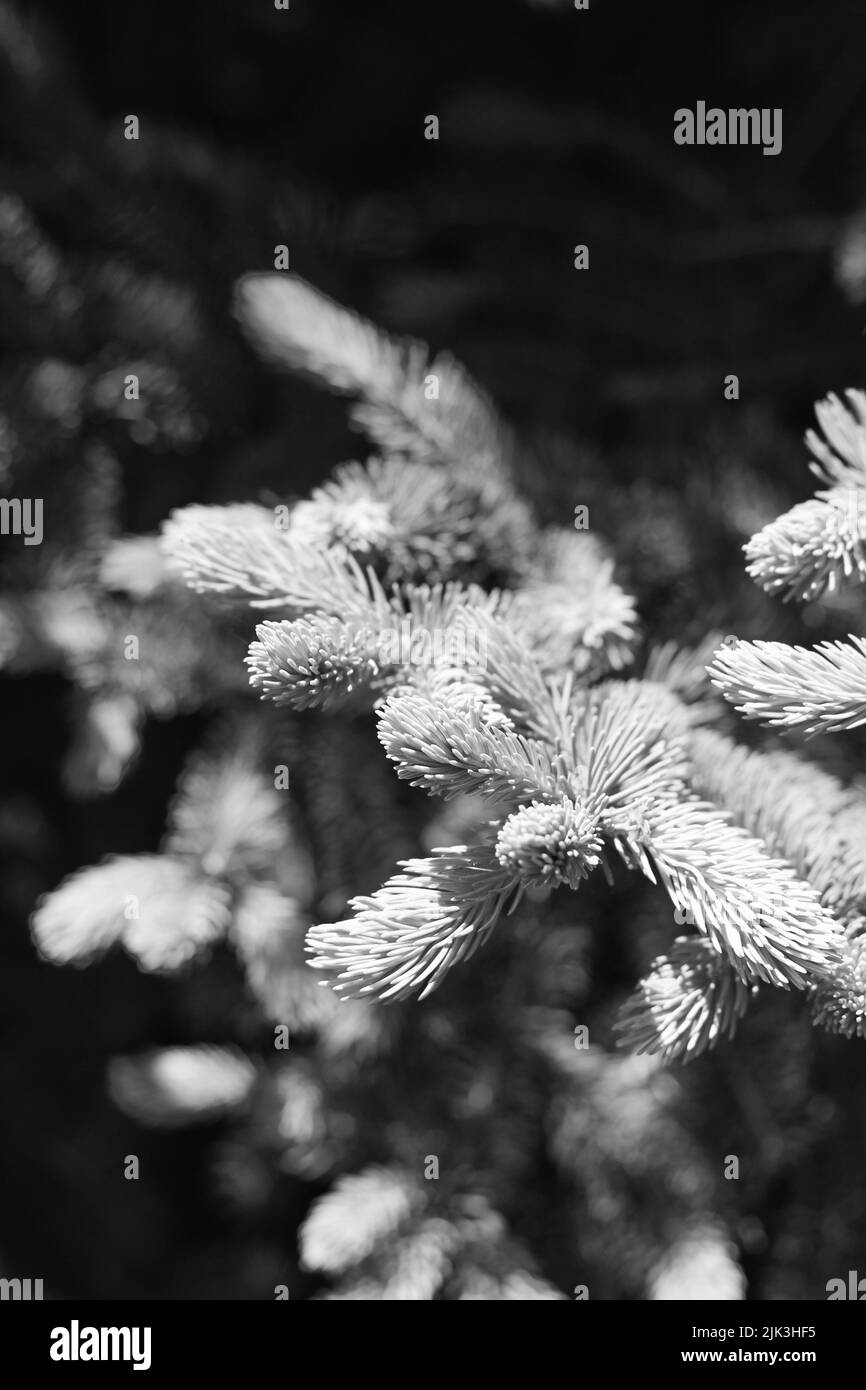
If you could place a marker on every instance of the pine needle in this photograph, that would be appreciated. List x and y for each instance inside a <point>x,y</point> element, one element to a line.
<point>841,454</point>
<point>688,1002</point>
<point>799,811</point>
<point>405,938</point>
<point>300,329</point>
<point>754,910</point>
<point>465,753</point>
<point>239,553</point>
<point>813,548</point>
<point>814,690</point>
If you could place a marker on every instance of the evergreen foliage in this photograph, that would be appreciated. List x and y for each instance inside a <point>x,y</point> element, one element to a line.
<point>425,836</point>
<point>514,705</point>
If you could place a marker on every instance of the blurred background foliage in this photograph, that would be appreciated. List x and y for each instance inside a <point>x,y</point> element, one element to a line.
<point>305,127</point>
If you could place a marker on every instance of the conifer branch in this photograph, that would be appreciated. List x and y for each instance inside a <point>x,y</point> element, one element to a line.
<point>510,671</point>
<point>820,544</point>
<point>393,510</point>
<point>300,329</point>
<point>239,553</point>
<point>841,454</point>
<point>688,1002</point>
<point>548,843</point>
<point>228,817</point>
<point>464,753</point>
<point>814,690</point>
<point>318,661</point>
<point>754,910</point>
<point>361,1211</point>
<point>813,548</point>
<point>438,607</point>
<point>570,610</point>
<point>455,690</point>
<point>159,908</point>
<point>415,521</point>
<point>406,937</point>
<point>839,1003</point>
<point>627,740</point>
<point>799,811</point>
<point>409,637</point>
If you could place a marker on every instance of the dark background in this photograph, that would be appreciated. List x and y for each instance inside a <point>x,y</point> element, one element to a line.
<point>261,127</point>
